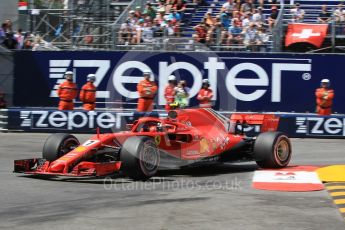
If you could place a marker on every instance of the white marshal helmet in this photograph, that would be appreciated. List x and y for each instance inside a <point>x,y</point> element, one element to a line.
<point>205,81</point>
<point>172,78</point>
<point>68,75</point>
<point>91,77</point>
<point>147,72</point>
<point>326,81</point>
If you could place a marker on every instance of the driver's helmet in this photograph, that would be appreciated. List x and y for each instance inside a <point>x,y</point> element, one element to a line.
<point>159,127</point>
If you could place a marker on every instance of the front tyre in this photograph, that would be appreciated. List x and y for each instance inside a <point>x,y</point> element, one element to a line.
<point>272,150</point>
<point>58,144</point>
<point>140,157</point>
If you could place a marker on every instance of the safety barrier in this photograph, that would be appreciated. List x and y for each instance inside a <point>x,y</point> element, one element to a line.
<point>79,121</point>
<point>241,81</point>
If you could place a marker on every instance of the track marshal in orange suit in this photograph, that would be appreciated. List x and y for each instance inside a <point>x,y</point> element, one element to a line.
<point>324,98</point>
<point>67,92</point>
<point>205,95</point>
<point>88,93</point>
<point>147,90</point>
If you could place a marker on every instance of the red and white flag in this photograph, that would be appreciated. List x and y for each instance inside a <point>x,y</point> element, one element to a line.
<point>22,5</point>
<point>311,33</point>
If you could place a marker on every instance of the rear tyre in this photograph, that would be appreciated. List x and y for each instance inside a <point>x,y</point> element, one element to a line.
<point>272,150</point>
<point>140,157</point>
<point>59,144</point>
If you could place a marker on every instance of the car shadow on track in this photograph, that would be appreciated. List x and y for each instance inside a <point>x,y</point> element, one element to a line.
<point>166,175</point>
<point>209,170</point>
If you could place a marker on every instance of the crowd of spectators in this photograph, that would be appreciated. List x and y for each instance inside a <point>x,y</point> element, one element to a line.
<point>238,22</point>
<point>18,40</point>
<point>154,21</point>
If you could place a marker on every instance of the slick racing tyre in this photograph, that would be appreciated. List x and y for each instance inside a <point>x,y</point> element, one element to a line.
<point>140,158</point>
<point>58,144</point>
<point>272,150</point>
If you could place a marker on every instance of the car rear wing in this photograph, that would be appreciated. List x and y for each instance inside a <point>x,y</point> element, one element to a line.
<point>267,122</point>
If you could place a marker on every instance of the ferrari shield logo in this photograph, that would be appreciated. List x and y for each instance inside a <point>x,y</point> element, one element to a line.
<point>157,140</point>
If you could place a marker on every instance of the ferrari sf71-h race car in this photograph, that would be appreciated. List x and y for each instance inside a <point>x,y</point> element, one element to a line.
<point>186,137</point>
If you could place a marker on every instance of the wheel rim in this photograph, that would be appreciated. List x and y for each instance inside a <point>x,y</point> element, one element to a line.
<point>67,146</point>
<point>282,150</point>
<point>149,158</point>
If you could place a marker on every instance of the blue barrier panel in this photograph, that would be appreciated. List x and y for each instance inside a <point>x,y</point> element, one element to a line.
<point>36,120</point>
<point>241,81</point>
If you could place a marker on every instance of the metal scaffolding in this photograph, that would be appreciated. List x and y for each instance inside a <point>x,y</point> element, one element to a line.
<point>75,24</point>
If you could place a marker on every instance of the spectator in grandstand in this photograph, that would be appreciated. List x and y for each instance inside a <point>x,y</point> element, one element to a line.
<point>174,16</point>
<point>181,95</point>
<point>161,7</point>
<point>235,35</point>
<point>137,32</point>
<point>169,92</point>
<point>158,30</point>
<point>260,3</point>
<point>324,16</point>
<point>88,93</point>
<point>273,17</point>
<point>125,33</point>
<point>263,38</point>
<point>28,43</point>
<point>2,33</point>
<point>161,16</point>
<point>297,14</point>
<point>180,8</point>
<point>201,32</point>
<point>251,38</point>
<point>67,92</point>
<point>205,95</point>
<point>132,18</point>
<point>10,42</point>
<point>228,6</point>
<point>19,38</point>
<point>324,98</point>
<point>237,14</point>
<point>339,17</point>
<point>148,33</point>
<point>246,20</point>
<point>38,43</point>
<point>169,28</point>
<point>8,26</point>
<point>209,20</point>
<point>150,10</point>
<point>3,103</point>
<point>258,17</point>
<point>339,13</point>
<point>247,7</point>
<point>225,20</point>
<point>147,90</point>
<point>138,12</point>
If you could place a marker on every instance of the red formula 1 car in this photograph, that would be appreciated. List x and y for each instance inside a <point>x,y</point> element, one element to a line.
<point>185,137</point>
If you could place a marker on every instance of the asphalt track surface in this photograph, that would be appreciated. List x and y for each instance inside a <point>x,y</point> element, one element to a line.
<point>218,197</point>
